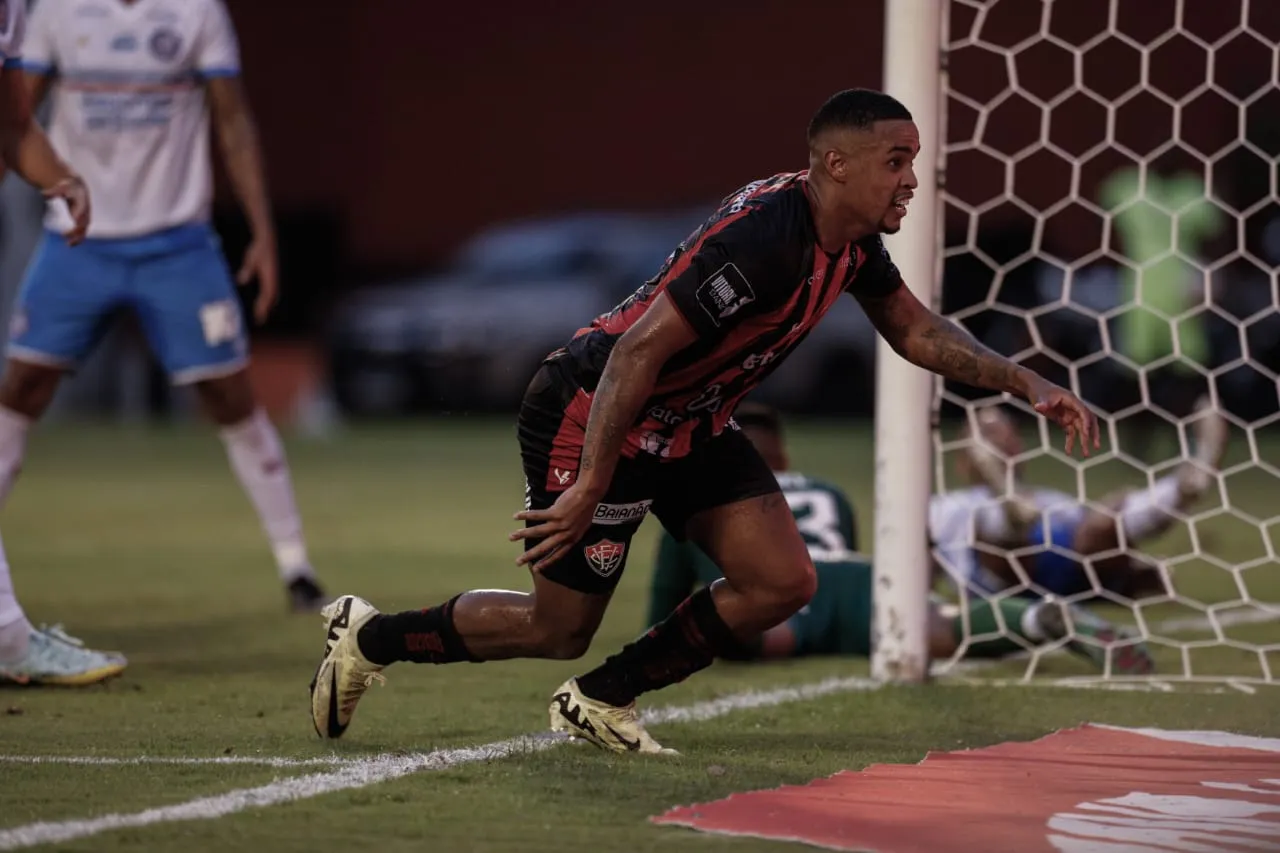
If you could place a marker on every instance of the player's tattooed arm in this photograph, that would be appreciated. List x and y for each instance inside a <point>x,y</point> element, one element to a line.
<point>934,343</point>
<point>627,382</point>
<point>939,345</point>
<point>618,398</point>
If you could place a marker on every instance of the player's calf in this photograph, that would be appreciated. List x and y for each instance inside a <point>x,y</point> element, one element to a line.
<point>258,459</point>
<point>25,392</point>
<point>552,623</point>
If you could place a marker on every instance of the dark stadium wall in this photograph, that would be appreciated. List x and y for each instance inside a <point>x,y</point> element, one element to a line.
<point>416,123</point>
<point>420,122</point>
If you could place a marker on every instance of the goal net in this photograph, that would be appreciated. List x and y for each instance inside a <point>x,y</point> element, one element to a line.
<point>1108,215</point>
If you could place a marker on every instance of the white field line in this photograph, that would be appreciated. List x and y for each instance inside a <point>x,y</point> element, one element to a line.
<point>360,773</point>
<point>1226,619</point>
<point>383,768</point>
<point>105,761</point>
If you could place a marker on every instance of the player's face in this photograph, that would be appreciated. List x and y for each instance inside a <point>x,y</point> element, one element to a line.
<point>882,176</point>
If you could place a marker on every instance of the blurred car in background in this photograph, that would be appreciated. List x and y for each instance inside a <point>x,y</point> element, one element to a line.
<point>470,338</point>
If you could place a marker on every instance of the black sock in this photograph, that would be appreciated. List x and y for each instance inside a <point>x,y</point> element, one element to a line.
<point>686,641</point>
<point>419,636</point>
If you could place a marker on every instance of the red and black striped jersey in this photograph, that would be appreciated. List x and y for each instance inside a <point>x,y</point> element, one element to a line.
<point>752,281</point>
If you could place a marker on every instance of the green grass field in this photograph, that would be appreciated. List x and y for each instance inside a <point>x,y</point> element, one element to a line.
<point>142,541</point>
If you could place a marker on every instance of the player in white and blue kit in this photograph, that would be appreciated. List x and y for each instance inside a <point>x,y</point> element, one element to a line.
<point>31,655</point>
<point>136,86</point>
<point>973,529</point>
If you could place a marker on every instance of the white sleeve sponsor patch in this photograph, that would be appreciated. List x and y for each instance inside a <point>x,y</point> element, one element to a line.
<point>725,293</point>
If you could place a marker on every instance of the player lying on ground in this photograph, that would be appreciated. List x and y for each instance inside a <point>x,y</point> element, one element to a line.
<point>29,654</point>
<point>632,416</point>
<point>1004,513</point>
<point>837,620</point>
<point>134,89</point>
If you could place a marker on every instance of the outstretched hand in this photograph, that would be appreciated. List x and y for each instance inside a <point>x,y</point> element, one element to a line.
<point>559,526</point>
<point>1067,411</point>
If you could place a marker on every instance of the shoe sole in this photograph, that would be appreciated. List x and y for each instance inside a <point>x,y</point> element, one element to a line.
<point>81,679</point>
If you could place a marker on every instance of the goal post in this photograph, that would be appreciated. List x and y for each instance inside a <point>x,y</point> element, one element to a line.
<point>904,393</point>
<point>1110,217</point>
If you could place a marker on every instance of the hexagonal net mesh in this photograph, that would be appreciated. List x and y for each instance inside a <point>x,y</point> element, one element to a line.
<point>1112,220</point>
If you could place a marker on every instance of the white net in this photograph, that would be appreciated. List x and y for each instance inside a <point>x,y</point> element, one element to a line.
<point>1112,220</point>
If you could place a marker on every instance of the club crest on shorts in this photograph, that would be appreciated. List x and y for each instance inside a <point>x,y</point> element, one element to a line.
<point>605,557</point>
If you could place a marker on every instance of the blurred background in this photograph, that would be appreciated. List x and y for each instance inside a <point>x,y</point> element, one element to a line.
<point>451,208</point>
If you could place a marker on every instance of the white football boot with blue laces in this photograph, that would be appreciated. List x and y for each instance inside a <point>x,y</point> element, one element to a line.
<point>56,658</point>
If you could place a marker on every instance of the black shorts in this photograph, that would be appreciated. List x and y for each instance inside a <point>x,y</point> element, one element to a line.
<point>723,470</point>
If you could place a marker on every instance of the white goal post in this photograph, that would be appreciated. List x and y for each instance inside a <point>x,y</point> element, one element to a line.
<point>904,394</point>
<point>1099,199</point>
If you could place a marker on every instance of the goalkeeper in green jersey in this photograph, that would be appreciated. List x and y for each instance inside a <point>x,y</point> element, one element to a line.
<point>837,621</point>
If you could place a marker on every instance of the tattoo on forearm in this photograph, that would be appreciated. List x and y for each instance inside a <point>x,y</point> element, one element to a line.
<point>602,427</point>
<point>949,350</point>
<point>615,406</point>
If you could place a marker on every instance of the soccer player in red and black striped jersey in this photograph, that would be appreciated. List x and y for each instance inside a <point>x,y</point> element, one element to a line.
<point>635,416</point>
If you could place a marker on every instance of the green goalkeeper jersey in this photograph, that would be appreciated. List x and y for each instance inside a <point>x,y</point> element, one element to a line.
<point>838,619</point>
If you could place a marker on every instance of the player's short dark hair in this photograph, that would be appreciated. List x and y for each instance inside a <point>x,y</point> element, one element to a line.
<point>856,109</point>
<point>751,415</point>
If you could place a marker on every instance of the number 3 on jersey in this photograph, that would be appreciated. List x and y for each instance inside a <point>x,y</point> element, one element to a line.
<point>818,518</point>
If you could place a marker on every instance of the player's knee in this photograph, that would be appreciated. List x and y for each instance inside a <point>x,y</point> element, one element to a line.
<point>803,587</point>
<point>562,636</point>
<point>558,643</point>
<point>791,590</point>
<point>228,400</point>
<point>28,388</point>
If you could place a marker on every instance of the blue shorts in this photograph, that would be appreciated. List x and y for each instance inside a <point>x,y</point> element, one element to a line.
<point>176,281</point>
<point>1058,573</point>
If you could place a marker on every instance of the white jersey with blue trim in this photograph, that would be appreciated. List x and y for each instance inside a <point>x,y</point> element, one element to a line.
<point>129,107</point>
<point>960,518</point>
<point>12,25</point>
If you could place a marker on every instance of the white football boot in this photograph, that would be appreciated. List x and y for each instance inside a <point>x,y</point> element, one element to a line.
<point>344,673</point>
<point>606,726</point>
<point>54,657</point>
